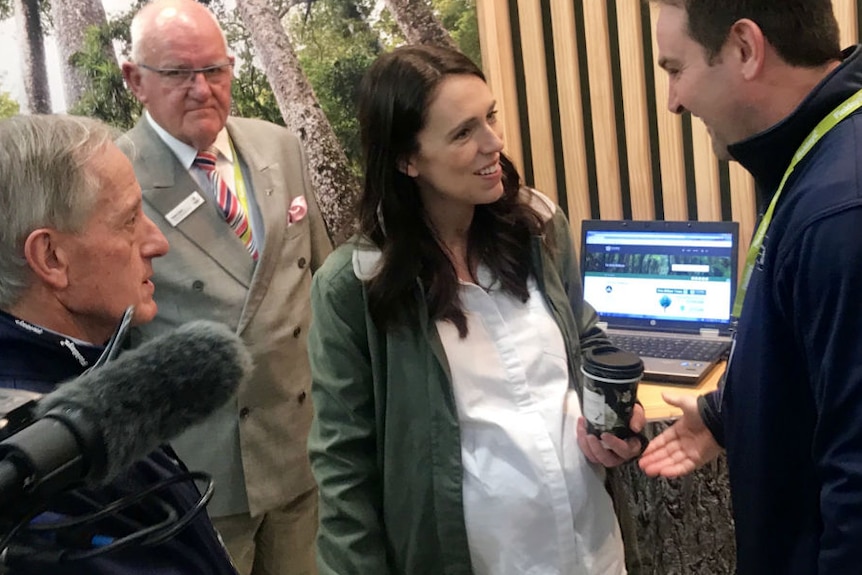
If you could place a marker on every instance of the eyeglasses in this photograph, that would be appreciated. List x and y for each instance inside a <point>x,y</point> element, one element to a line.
<point>184,77</point>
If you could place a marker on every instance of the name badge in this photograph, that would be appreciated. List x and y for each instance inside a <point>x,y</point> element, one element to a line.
<point>184,208</point>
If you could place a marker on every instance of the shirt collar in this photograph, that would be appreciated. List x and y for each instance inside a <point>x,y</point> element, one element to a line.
<point>186,154</point>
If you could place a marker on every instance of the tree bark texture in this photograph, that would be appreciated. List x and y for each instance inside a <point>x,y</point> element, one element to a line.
<point>675,526</point>
<point>418,23</point>
<point>32,47</point>
<point>334,183</point>
<point>72,19</point>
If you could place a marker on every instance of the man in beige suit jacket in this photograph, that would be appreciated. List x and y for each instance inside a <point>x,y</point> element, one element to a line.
<point>265,505</point>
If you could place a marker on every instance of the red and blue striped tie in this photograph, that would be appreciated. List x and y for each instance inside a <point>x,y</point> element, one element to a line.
<point>228,203</point>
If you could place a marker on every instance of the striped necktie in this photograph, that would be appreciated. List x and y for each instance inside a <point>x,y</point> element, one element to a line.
<point>228,203</point>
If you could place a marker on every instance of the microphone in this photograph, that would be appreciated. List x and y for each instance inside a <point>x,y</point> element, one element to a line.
<point>95,426</point>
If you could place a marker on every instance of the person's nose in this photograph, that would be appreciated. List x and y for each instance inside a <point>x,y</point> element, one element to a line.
<point>200,87</point>
<point>673,103</point>
<point>155,243</point>
<point>493,142</point>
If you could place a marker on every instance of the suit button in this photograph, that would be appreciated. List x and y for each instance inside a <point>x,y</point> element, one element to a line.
<point>301,397</point>
<point>198,285</point>
<point>301,263</point>
<point>243,413</point>
<point>297,331</point>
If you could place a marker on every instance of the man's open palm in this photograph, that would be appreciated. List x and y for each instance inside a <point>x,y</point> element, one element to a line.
<point>684,446</point>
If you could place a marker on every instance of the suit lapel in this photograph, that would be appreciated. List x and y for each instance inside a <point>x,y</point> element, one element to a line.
<point>266,176</point>
<point>166,184</point>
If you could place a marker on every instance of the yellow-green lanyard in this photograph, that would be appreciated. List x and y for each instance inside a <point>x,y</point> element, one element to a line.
<point>843,110</point>
<point>239,183</point>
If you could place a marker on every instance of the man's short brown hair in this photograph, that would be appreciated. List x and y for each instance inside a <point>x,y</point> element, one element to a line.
<point>803,32</point>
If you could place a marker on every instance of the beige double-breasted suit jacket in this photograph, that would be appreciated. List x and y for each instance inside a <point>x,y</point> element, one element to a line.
<point>255,447</point>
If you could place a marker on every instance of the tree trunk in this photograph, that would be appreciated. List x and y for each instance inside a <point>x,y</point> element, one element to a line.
<point>72,19</point>
<point>417,22</point>
<point>675,526</point>
<point>32,48</point>
<point>334,183</point>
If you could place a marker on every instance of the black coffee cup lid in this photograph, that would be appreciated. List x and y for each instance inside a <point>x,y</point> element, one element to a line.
<point>613,363</point>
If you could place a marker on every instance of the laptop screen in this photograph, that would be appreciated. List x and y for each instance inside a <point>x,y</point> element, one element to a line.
<point>673,276</point>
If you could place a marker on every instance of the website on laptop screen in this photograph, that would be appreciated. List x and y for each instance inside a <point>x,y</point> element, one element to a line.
<point>675,276</point>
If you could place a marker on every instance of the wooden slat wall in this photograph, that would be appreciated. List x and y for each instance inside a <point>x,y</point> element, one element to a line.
<point>670,144</point>
<point>499,66</point>
<point>635,111</point>
<point>595,15</point>
<point>571,116</point>
<point>585,115</point>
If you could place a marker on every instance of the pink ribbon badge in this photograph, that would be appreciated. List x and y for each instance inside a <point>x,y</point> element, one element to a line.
<point>297,210</point>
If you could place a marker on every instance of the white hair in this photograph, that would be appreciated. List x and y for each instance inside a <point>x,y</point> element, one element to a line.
<point>45,181</point>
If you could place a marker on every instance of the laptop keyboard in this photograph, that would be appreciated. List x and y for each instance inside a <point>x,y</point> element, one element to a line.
<point>671,348</point>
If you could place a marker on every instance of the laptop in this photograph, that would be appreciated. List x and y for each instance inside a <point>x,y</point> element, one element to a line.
<point>664,290</point>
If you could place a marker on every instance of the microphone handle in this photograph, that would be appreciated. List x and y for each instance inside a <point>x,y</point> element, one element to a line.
<point>40,461</point>
<point>10,483</point>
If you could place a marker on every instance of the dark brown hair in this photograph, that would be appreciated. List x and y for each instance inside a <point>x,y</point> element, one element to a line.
<point>394,98</point>
<point>803,32</point>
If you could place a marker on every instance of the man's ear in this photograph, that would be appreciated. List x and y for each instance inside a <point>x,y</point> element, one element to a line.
<point>748,45</point>
<point>46,257</point>
<point>132,76</point>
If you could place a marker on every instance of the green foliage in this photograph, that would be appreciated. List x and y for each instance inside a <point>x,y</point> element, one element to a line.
<point>8,105</point>
<point>107,97</point>
<point>335,41</point>
<point>460,19</point>
<point>457,16</point>
<point>335,45</point>
<point>251,93</point>
<point>388,30</point>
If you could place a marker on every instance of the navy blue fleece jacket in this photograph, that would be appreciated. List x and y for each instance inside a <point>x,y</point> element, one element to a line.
<point>35,359</point>
<point>791,411</point>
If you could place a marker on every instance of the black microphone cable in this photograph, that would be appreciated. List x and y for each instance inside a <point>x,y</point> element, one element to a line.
<point>158,535</point>
<point>56,546</point>
<point>48,553</point>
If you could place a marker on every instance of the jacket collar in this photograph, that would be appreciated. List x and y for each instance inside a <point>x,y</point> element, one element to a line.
<point>766,155</point>
<point>29,345</point>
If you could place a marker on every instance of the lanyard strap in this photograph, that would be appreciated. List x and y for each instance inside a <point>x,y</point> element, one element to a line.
<point>843,110</point>
<point>238,182</point>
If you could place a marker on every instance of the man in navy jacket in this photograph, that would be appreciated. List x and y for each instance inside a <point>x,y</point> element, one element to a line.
<point>762,75</point>
<point>75,253</point>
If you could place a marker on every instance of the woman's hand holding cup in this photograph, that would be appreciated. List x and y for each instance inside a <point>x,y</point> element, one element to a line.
<point>609,433</point>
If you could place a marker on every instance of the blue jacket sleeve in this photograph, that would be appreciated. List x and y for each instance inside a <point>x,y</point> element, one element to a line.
<point>709,407</point>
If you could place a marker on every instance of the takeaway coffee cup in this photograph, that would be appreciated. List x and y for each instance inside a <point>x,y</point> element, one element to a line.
<point>611,378</point>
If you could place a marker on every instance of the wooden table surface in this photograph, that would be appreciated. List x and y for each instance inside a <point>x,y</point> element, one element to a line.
<point>655,407</point>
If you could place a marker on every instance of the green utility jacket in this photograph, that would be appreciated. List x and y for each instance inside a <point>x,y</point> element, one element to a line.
<point>385,446</point>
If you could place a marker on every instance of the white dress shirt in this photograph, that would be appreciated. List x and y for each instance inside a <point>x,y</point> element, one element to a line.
<point>186,155</point>
<point>533,504</point>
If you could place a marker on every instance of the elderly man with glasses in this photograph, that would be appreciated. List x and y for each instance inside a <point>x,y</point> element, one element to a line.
<point>234,200</point>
